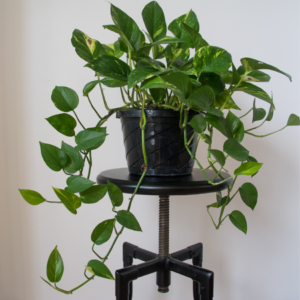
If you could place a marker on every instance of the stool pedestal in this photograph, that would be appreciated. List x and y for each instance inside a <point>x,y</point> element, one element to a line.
<point>164,262</point>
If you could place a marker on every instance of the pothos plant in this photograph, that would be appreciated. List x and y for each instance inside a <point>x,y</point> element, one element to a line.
<point>155,74</point>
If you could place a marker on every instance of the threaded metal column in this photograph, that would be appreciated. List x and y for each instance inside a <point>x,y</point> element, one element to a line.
<point>164,212</point>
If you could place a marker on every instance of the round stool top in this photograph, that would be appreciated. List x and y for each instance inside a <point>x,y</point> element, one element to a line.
<point>192,184</point>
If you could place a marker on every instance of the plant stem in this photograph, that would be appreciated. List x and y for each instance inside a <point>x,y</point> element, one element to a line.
<point>123,98</point>
<point>265,134</point>
<point>211,217</point>
<point>90,165</point>
<point>246,113</point>
<point>93,107</point>
<point>256,126</point>
<point>96,252</point>
<point>78,119</point>
<point>102,93</point>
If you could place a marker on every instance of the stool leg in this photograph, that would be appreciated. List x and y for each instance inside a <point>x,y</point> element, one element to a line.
<point>203,277</point>
<point>125,276</point>
<point>197,255</point>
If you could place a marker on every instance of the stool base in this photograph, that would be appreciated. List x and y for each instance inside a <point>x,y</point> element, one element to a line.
<point>202,279</point>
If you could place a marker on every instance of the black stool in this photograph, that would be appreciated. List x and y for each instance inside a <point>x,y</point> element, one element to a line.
<point>163,262</point>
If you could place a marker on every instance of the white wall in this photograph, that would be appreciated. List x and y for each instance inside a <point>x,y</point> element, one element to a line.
<point>36,54</point>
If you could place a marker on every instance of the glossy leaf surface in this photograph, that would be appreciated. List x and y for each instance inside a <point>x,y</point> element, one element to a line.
<point>115,194</point>
<point>219,156</point>
<point>140,74</point>
<point>78,184</point>
<point>54,158</point>
<point>93,194</point>
<point>75,160</point>
<point>214,81</point>
<point>212,59</point>
<point>90,138</point>
<point>220,123</point>
<point>236,125</point>
<point>32,197</point>
<point>251,64</point>
<point>198,123</point>
<point>196,39</point>
<point>220,100</point>
<point>70,201</point>
<point>255,91</point>
<point>158,94</point>
<point>234,149</point>
<point>293,120</point>
<point>64,98</point>
<point>128,29</point>
<point>86,47</point>
<point>238,220</point>
<point>63,123</point>
<point>110,66</point>
<point>189,19</point>
<point>110,82</point>
<point>89,87</point>
<point>100,269</point>
<point>154,20</point>
<point>248,168</point>
<point>55,266</point>
<point>180,85</point>
<point>258,113</point>
<point>102,232</point>
<point>249,194</point>
<point>128,220</point>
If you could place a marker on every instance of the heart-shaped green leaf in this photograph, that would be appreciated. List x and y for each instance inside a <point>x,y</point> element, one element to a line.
<point>203,98</point>
<point>70,201</point>
<point>75,160</point>
<point>86,47</point>
<point>89,87</point>
<point>293,120</point>
<point>220,123</point>
<point>64,98</point>
<point>255,91</point>
<point>248,168</point>
<point>198,123</point>
<point>63,123</point>
<point>140,74</point>
<point>158,94</point>
<point>234,149</point>
<point>115,194</point>
<point>251,64</point>
<point>78,184</point>
<point>219,156</point>
<point>180,84</point>
<point>128,29</point>
<point>205,138</point>
<point>32,197</point>
<point>237,126</point>
<point>90,138</point>
<point>100,269</point>
<point>249,194</point>
<point>54,158</point>
<point>102,232</point>
<point>195,37</point>
<point>220,100</point>
<point>93,194</point>
<point>271,111</point>
<point>257,76</point>
<point>153,83</point>
<point>191,20</point>
<point>110,66</point>
<point>258,113</point>
<point>154,20</point>
<point>238,220</point>
<point>55,266</point>
<point>213,80</point>
<point>212,59</point>
<point>168,40</point>
<point>110,82</point>
<point>128,220</point>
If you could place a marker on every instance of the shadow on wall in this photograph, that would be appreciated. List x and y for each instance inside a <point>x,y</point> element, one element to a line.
<point>14,220</point>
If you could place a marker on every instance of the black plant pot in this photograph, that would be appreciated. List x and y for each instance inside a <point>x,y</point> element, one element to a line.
<point>164,141</point>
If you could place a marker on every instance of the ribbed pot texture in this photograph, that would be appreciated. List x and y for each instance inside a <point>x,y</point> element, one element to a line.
<point>164,141</point>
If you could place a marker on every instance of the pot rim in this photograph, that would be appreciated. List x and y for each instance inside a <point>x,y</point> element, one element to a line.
<point>158,112</point>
